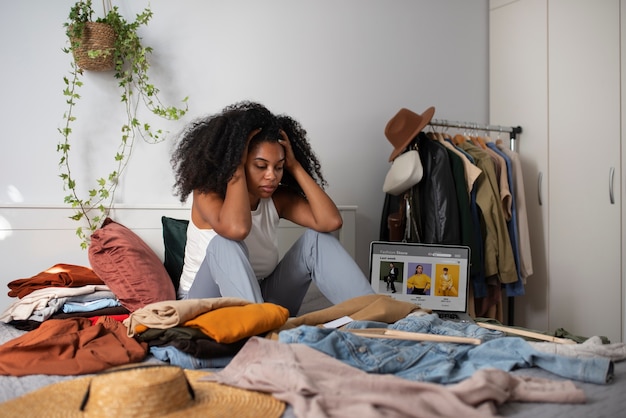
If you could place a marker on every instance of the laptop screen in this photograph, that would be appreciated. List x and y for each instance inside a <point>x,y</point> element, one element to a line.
<point>433,276</point>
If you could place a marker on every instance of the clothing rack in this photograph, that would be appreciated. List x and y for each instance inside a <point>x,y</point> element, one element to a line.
<point>513,131</point>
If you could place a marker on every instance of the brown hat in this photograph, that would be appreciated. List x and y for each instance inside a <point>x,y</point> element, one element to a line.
<point>143,391</point>
<point>405,126</point>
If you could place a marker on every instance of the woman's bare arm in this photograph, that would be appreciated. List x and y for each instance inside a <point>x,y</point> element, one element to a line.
<point>230,216</point>
<point>317,211</point>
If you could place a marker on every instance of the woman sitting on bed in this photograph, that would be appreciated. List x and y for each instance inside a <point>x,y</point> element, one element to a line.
<point>246,168</point>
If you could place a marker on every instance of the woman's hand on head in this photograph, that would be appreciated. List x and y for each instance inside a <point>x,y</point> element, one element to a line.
<point>290,158</point>
<point>240,171</point>
<point>251,135</point>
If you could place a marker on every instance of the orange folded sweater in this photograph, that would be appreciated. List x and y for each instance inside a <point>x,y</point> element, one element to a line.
<point>233,323</point>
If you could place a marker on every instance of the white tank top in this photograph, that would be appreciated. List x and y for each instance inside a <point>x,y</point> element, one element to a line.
<point>262,243</point>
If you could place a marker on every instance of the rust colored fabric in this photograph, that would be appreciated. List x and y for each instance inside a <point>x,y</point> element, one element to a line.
<point>70,347</point>
<point>59,275</point>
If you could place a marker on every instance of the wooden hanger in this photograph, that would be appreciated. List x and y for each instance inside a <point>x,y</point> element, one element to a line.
<point>412,336</point>
<point>459,139</point>
<point>498,140</point>
<point>479,141</point>
<point>525,333</point>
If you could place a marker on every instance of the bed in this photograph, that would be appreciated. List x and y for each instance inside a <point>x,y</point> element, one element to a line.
<point>602,399</point>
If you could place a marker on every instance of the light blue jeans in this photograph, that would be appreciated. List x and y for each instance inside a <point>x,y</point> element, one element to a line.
<point>441,362</point>
<point>179,358</point>
<point>315,256</point>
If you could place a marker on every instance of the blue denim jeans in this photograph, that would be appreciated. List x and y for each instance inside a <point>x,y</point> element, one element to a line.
<point>315,256</point>
<point>441,362</point>
<point>179,358</point>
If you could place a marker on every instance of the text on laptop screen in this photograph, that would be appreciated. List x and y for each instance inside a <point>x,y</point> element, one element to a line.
<point>432,276</point>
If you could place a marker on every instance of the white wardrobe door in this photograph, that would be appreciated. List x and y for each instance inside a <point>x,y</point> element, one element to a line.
<point>518,95</point>
<point>584,155</point>
<point>623,92</point>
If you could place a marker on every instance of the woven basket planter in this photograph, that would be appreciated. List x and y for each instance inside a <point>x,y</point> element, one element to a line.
<point>96,37</point>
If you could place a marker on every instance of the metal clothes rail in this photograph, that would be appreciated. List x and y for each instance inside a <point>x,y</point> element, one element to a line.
<point>513,131</point>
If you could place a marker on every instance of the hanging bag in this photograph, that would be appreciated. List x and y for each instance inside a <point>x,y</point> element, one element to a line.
<point>405,172</point>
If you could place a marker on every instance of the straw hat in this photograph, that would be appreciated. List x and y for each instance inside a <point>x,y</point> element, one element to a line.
<point>143,391</point>
<point>405,126</point>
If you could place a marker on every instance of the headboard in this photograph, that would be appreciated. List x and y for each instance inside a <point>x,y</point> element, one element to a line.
<point>35,237</point>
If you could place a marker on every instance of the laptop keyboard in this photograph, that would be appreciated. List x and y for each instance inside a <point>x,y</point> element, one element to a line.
<point>448,315</point>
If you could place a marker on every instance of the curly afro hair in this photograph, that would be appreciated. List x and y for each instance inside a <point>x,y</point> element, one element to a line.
<point>210,148</point>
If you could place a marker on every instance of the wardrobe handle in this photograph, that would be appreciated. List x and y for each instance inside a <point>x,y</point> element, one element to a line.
<point>611,177</point>
<point>539,181</point>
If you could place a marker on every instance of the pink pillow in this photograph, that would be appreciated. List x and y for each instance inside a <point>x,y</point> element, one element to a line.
<point>130,268</point>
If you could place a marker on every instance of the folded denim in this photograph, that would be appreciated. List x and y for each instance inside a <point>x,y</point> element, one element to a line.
<point>179,358</point>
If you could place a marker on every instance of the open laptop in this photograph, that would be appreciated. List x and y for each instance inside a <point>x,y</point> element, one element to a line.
<point>433,276</point>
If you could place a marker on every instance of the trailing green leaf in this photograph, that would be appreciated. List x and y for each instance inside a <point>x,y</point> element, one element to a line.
<point>131,71</point>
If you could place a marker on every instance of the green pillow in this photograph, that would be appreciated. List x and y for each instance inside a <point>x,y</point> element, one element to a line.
<point>174,240</point>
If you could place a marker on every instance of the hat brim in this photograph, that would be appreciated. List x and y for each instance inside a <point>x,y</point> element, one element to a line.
<point>63,399</point>
<point>426,117</point>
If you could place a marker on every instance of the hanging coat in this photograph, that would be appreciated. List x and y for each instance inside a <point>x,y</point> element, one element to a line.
<point>436,195</point>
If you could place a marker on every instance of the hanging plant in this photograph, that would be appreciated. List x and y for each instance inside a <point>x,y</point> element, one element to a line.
<point>130,67</point>
<point>92,43</point>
